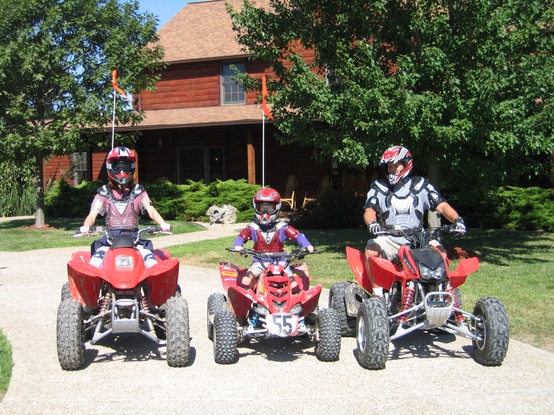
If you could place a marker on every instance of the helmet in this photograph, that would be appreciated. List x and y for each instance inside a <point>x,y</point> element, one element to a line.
<point>397,154</point>
<point>121,163</point>
<point>267,204</point>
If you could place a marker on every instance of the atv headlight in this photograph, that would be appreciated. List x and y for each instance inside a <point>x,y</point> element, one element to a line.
<point>296,309</point>
<point>431,274</point>
<point>260,309</point>
<point>124,262</point>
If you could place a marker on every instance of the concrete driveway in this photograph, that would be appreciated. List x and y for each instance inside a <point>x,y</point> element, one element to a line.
<point>128,374</point>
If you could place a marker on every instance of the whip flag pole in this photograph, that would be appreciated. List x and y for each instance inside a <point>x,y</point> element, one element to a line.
<point>123,94</point>
<point>268,114</point>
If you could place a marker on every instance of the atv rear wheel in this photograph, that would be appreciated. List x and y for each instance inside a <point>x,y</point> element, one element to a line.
<point>177,331</point>
<point>337,301</point>
<point>492,325</point>
<point>327,348</point>
<point>372,334</point>
<point>216,302</point>
<point>225,338</point>
<point>69,335</point>
<point>66,293</point>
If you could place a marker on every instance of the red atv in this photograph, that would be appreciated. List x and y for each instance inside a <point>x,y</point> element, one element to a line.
<point>122,297</point>
<point>420,293</point>
<point>272,310</point>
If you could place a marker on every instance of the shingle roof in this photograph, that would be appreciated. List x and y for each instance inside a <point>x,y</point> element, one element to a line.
<point>201,30</point>
<point>197,117</point>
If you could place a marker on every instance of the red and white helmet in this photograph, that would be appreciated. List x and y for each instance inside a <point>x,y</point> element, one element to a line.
<point>121,164</point>
<point>397,154</point>
<point>267,204</point>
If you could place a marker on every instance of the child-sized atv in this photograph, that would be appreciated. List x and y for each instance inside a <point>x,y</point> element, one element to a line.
<point>271,310</point>
<point>123,296</point>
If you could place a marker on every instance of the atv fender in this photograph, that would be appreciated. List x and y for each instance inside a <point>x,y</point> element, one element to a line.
<point>240,300</point>
<point>356,260</point>
<point>465,267</point>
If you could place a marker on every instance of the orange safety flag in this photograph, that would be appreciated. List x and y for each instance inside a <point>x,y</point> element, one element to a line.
<point>264,94</point>
<point>117,88</point>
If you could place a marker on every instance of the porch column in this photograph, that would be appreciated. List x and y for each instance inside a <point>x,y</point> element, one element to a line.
<point>251,156</point>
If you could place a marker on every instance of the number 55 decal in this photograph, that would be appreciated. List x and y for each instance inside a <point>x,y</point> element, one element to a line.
<point>283,325</point>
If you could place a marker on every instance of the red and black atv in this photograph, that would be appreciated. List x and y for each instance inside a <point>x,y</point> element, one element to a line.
<point>123,296</point>
<point>271,310</point>
<point>420,293</point>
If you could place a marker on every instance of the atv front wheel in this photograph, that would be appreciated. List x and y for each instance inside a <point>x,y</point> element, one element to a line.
<point>372,334</point>
<point>327,348</point>
<point>177,331</point>
<point>216,302</point>
<point>66,293</point>
<point>337,300</point>
<point>492,325</point>
<point>69,335</point>
<point>225,338</point>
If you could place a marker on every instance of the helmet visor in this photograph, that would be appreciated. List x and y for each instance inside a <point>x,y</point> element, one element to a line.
<point>123,165</point>
<point>265,207</point>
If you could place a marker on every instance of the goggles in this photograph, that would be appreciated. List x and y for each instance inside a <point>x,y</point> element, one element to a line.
<point>123,165</point>
<point>266,207</point>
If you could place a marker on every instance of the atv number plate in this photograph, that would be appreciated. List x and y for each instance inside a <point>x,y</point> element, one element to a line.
<point>282,325</point>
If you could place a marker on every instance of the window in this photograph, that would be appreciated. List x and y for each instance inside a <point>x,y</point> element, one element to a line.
<point>232,91</point>
<point>80,168</point>
<point>204,164</point>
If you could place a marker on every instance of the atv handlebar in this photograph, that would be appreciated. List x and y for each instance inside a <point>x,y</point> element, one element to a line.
<point>418,236</point>
<point>298,253</point>
<point>101,230</point>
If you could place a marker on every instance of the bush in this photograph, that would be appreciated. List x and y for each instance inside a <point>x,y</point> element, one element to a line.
<point>188,202</point>
<point>509,207</point>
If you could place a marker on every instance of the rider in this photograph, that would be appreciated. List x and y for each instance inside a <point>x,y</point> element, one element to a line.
<point>401,204</point>
<point>268,234</point>
<point>121,202</point>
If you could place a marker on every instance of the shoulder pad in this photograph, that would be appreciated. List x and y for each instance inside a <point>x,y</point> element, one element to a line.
<point>104,191</point>
<point>254,226</point>
<point>280,225</point>
<point>381,186</point>
<point>137,189</point>
<point>418,184</point>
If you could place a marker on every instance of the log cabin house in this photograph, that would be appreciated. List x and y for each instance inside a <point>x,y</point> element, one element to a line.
<point>200,124</point>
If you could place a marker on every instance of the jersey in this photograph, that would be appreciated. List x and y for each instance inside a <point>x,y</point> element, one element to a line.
<point>270,238</point>
<point>121,209</point>
<point>404,205</point>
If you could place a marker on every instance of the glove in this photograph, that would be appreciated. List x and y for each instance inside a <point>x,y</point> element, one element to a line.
<point>84,229</point>
<point>165,227</point>
<point>460,228</point>
<point>374,227</point>
<point>239,248</point>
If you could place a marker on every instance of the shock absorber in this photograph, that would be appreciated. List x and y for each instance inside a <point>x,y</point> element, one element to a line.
<point>144,304</point>
<point>407,300</point>
<point>104,301</point>
<point>459,316</point>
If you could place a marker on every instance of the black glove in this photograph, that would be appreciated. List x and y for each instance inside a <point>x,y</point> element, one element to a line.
<point>460,229</point>
<point>373,227</point>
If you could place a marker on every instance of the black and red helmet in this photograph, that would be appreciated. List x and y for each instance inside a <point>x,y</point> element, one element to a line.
<point>121,164</point>
<point>397,154</point>
<point>267,205</point>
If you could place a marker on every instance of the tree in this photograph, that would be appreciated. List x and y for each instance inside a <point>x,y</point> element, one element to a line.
<point>56,62</point>
<point>466,85</point>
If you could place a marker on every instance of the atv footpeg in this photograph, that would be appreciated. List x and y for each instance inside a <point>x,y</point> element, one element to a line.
<point>438,307</point>
<point>125,316</point>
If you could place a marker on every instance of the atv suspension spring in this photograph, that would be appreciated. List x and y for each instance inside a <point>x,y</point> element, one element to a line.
<point>459,316</point>
<point>407,300</point>
<point>145,305</point>
<point>104,301</point>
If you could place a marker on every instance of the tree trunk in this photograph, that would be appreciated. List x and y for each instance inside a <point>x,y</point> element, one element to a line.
<point>434,218</point>
<point>39,191</point>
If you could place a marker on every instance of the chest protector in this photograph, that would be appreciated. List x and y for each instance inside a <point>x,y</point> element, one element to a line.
<point>121,213</point>
<point>405,206</point>
<point>269,240</point>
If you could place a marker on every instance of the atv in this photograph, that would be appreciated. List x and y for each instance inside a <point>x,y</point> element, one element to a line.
<point>123,296</point>
<point>271,310</point>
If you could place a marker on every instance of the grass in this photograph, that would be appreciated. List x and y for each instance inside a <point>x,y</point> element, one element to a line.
<point>516,267</point>
<point>6,363</point>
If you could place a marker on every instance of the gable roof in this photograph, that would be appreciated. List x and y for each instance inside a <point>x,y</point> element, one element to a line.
<point>201,31</point>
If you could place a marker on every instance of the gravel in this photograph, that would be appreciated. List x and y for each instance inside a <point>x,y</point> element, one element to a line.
<point>128,373</point>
